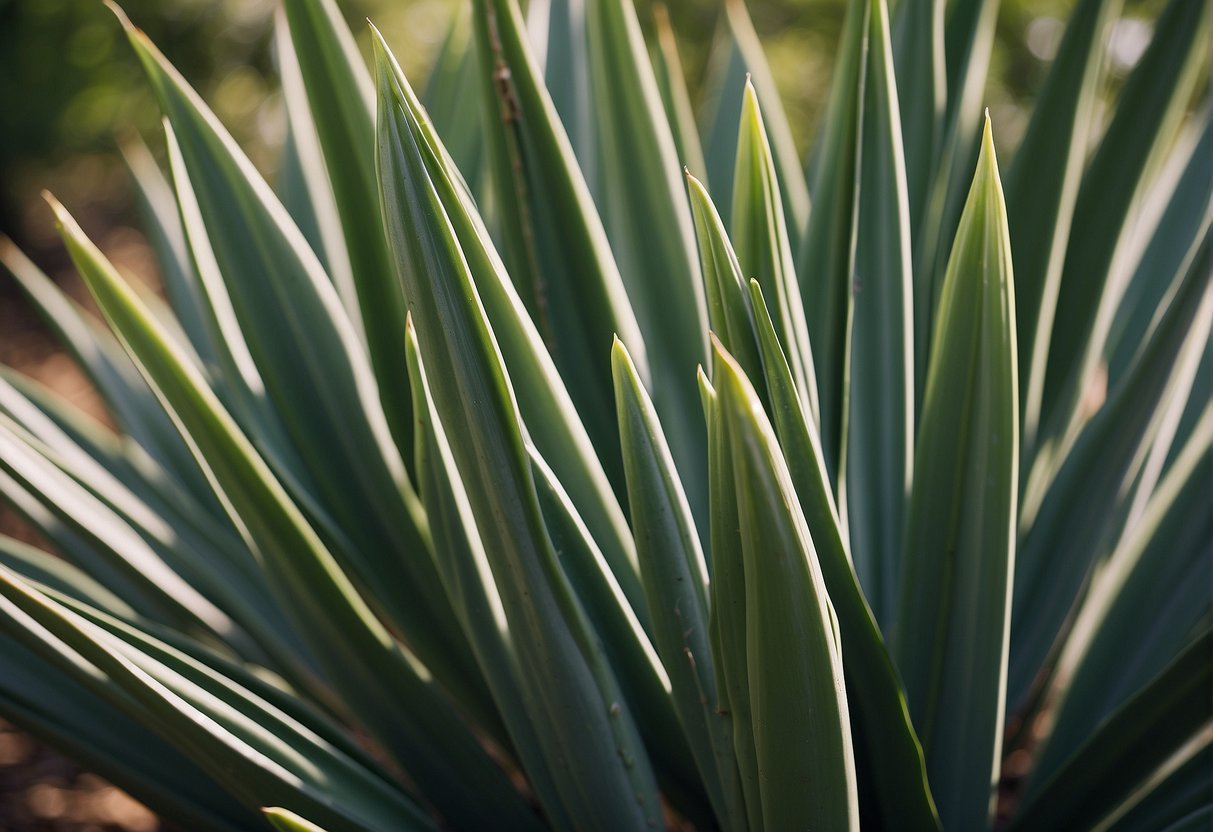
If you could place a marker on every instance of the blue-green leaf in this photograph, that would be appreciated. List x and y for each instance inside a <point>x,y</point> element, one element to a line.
<point>590,738</point>
<point>953,618</point>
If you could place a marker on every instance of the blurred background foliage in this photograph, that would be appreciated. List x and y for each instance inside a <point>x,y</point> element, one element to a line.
<point>71,89</point>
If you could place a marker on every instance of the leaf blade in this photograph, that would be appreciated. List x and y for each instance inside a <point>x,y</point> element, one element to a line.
<point>953,620</point>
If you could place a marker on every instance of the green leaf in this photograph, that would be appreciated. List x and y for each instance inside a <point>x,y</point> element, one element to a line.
<point>1161,720</point>
<point>799,714</point>
<point>889,761</point>
<point>745,64</point>
<point>1147,116</point>
<point>557,32</point>
<point>48,570</point>
<point>719,109</point>
<point>287,821</point>
<point>1084,504</point>
<point>828,247</point>
<point>464,565</point>
<point>358,655</point>
<point>1042,191</point>
<point>453,83</point>
<point>304,184</point>
<point>67,428</point>
<point>252,746</point>
<point>143,527</point>
<point>877,408</point>
<point>952,624</point>
<point>648,221</point>
<point>316,375</point>
<point>1184,215</point>
<point>968,42</point>
<point>918,58</point>
<point>1158,573</point>
<point>556,249</point>
<point>158,210</point>
<point>341,97</point>
<point>1178,802</point>
<point>627,647</point>
<point>724,284</point>
<point>589,736</point>
<point>727,602</point>
<point>173,583</point>
<point>672,84</point>
<point>674,571</point>
<point>764,250</point>
<point>44,701</point>
<point>126,396</point>
<point>552,421</point>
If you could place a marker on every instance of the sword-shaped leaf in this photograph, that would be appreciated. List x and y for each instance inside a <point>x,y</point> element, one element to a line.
<point>1084,501</point>
<point>589,736</point>
<point>740,60</point>
<point>126,396</point>
<point>828,247</point>
<point>556,248</point>
<point>41,699</point>
<point>316,374</point>
<point>237,734</point>
<point>724,283</point>
<point>304,184</point>
<point>1166,718</point>
<point>552,421</point>
<point>953,617</point>
<point>358,656</point>
<point>285,820</point>
<point>674,572</point>
<point>1177,801</point>
<point>763,243</point>
<point>1148,112</point>
<point>158,209</point>
<point>644,208</point>
<point>727,602</point>
<point>1187,215</point>
<point>1042,189</point>
<point>453,84</point>
<point>968,42</point>
<point>341,97</point>
<point>918,57</point>
<point>1143,606</point>
<point>800,720</point>
<point>877,408</point>
<point>464,565</point>
<point>888,758</point>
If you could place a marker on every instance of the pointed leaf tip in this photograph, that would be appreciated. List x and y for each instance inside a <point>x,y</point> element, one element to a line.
<point>987,140</point>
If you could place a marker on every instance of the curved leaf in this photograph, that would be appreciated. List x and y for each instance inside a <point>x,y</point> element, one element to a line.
<point>359,657</point>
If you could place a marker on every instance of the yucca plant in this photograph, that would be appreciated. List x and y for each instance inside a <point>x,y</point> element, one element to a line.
<point>490,472</point>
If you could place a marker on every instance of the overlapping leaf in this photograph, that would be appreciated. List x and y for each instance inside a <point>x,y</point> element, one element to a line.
<point>591,741</point>
<point>358,656</point>
<point>798,716</point>
<point>556,248</point>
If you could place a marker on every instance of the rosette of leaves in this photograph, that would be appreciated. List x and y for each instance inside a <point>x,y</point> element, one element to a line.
<point>487,471</point>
